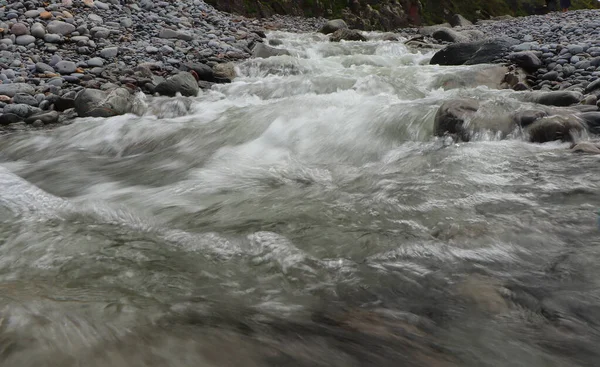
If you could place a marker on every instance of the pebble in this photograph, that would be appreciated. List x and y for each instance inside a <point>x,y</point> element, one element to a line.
<point>66,67</point>
<point>109,52</point>
<point>38,30</point>
<point>25,40</point>
<point>95,61</point>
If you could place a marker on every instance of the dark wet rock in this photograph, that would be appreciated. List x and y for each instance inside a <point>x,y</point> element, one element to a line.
<point>586,147</point>
<point>98,103</point>
<point>471,53</point>
<point>347,35</point>
<point>552,128</point>
<point>557,98</point>
<point>452,115</point>
<point>527,117</point>
<point>592,121</point>
<point>458,20</point>
<point>169,33</point>
<point>41,67</point>
<point>203,71</point>
<point>526,60</point>
<point>593,86</point>
<point>224,71</point>
<point>275,42</point>
<point>333,25</point>
<point>263,51</point>
<point>183,83</point>
<point>9,118</point>
<point>14,88</point>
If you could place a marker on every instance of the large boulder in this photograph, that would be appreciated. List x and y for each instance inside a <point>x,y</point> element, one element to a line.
<point>98,103</point>
<point>448,35</point>
<point>347,35</point>
<point>333,25</point>
<point>526,60</point>
<point>183,83</point>
<point>556,127</point>
<point>15,88</point>
<point>453,117</point>
<point>471,53</point>
<point>458,20</point>
<point>263,51</point>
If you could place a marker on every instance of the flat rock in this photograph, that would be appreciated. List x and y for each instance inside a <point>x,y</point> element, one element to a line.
<point>14,88</point>
<point>109,52</point>
<point>25,40</point>
<point>48,117</point>
<point>66,67</point>
<point>471,53</point>
<point>263,51</point>
<point>59,27</point>
<point>22,98</point>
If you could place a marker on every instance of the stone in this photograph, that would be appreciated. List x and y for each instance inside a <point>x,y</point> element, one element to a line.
<point>52,38</point>
<point>32,13</point>
<point>183,83</point>
<point>60,27</point>
<point>109,52</point>
<point>28,99</point>
<point>593,86</point>
<point>556,98</point>
<point>333,25</point>
<point>96,19</point>
<point>458,20</point>
<point>551,75</point>
<point>66,67</point>
<point>98,103</point>
<point>9,118</point>
<point>448,35</point>
<point>25,40</point>
<point>12,89</point>
<point>203,71</point>
<point>225,71</point>
<point>126,22</point>
<point>586,147</point>
<point>169,33</point>
<point>95,62</point>
<point>46,15</point>
<point>592,121</point>
<point>553,128</point>
<point>21,109</point>
<point>48,117</point>
<point>263,51</point>
<point>19,29</point>
<point>471,53</point>
<point>526,60</point>
<point>346,35</point>
<point>38,30</point>
<point>451,116</point>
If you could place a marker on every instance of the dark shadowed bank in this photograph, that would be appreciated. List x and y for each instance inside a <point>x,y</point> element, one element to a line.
<point>391,14</point>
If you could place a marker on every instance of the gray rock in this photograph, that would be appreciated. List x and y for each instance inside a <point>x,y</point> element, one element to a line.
<point>22,110</point>
<point>40,67</point>
<point>59,27</point>
<point>557,98</point>
<point>448,35</point>
<point>183,83</point>
<point>151,49</point>
<point>66,67</point>
<point>458,20</point>
<point>553,128</point>
<point>52,38</point>
<point>595,85</point>
<point>19,29</point>
<point>333,25</point>
<point>95,62</point>
<point>526,59</point>
<point>126,22</point>
<point>96,19</point>
<point>28,99</point>
<point>101,5</point>
<point>14,88</point>
<point>48,117</point>
<point>38,30</point>
<point>346,35</point>
<point>98,103</point>
<point>109,52</point>
<point>9,118</point>
<point>32,13</point>
<point>203,71</point>
<point>172,34</point>
<point>25,40</point>
<point>551,75</point>
<point>263,51</point>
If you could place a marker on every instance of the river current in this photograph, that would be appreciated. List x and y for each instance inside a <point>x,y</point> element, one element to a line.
<point>303,215</point>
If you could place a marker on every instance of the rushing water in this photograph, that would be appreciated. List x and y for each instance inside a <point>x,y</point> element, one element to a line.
<point>301,216</point>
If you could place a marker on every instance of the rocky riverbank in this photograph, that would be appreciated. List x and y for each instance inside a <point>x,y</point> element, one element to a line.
<point>51,51</point>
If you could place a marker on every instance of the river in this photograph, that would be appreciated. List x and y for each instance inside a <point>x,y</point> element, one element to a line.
<point>303,215</point>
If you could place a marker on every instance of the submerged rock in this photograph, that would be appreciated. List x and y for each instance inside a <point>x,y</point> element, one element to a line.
<point>553,128</point>
<point>452,116</point>
<point>263,51</point>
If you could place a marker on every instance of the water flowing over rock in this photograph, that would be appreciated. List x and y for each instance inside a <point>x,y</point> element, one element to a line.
<point>264,51</point>
<point>183,83</point>
<point>347,35</point>
<point>472,53</point>
<point>333,25</point>
<point>97,103</point>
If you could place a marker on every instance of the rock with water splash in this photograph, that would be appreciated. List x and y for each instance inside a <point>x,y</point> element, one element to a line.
<point>98,103</point>
<point>183,83</point>
<point>263,51</point>
<point>558,98</point>
<point>556,127</point>
<point>347,35</point>
<point>453,115</point>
